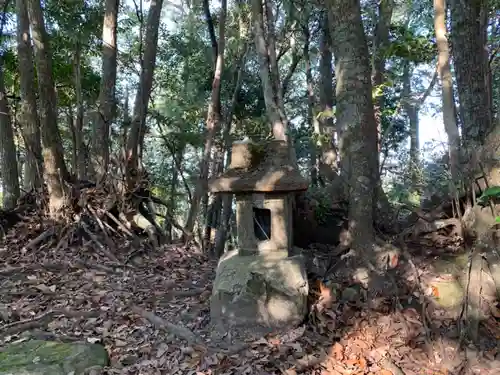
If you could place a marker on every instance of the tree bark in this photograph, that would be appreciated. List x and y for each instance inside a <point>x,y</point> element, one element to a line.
<point>381,42</point>
<point>467,37</point>
<point>227,199</point>
<point>56,172</point>
<point>213,120</point>
<point>355,114</point>
<point>268,68</point>
<point>107,103</point>
<point>137,132</point>
<point>449,118</point>
<point>78,123</point>
<point>328,160</point>
<point>316,141</point>
<point>411,110</point>
<point>30,123</point>
<point>8,157</point>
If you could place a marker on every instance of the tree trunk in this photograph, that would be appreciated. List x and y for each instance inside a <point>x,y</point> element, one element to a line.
<point>74,143</point>
<point>135,142</point>
<point>30,123</point>
<point>213,119</point>
<point>316,140</point>
<point>78,124</point>
<point>467,37</point>
<point>8,159</point>
<point>171,209</point>
<point>328,159</point>
<point>269,74</point>
<point>449,118</point>
<point>381,41</point>
<point>55,168</point>
<point>107,104</point>
<point>227,199</point>
<point>355,114</point>
<point>411,110</point>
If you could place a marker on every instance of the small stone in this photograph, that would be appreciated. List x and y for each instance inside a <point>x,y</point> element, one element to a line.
<point>350,294</point>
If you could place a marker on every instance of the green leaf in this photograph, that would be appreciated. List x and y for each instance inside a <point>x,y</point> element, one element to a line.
<point>492,192</point>
<point>497,219</point>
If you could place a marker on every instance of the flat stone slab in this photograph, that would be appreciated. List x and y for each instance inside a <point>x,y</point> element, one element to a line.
<point>259,292</point>
<point>38,357</point>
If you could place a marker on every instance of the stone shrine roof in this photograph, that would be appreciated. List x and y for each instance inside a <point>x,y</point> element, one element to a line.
<point>259,168</point>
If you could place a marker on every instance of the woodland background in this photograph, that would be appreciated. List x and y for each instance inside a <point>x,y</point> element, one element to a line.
<point>113,116</point>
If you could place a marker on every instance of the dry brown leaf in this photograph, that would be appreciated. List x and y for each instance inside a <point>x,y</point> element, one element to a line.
<point>337,351</point>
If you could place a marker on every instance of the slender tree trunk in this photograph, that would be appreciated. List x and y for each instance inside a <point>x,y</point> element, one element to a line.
<point>81,171</point>
<point>30,123</point>
<point>268,68</point>
<point>55,168</point>
<point>138,127</point>
<point>355,114</point>
<point>171,209</point>
<point>411,110</point>
<point>227,199</point>
<point>449,118</point>
<point>74,143</point>
<point>328,158</point>
<point>8,158</point>
<point>315,143</point>
<point>107,102</point>
<point>378,65</point>
<point>213,120</point>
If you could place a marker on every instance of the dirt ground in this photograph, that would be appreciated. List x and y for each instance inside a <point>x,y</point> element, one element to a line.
<point>150,309</point>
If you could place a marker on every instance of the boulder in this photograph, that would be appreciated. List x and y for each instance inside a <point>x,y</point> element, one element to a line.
<point>38,357</point>
<point>259,292</point>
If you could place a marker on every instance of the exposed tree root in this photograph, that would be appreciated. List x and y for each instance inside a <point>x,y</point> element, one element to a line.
<point>42,320</point>
<point>179,331</point>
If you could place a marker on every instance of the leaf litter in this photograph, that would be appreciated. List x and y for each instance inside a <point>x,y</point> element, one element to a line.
<point>151,312</point>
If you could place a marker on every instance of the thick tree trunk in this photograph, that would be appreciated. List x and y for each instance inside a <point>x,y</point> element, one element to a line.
<point>449,118</point>
<point>467,37</point>
<point>355,114</point>
<point>30,123</point>
<point>213,120</point>
<point>137,132</point>
<point>8,158</point>
<point>107,103</point>
<point>56,172</point>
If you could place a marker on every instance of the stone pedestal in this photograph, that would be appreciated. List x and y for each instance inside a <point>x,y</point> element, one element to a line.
<point>259,292</point>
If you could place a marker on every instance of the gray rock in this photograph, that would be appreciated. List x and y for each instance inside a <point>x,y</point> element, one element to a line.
<point>38,357</point>
<point>264,291</point>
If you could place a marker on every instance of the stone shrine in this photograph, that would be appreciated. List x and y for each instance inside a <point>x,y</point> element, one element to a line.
<point>259,286</point>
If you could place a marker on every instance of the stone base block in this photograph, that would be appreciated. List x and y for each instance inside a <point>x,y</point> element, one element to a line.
<point>259,292</point>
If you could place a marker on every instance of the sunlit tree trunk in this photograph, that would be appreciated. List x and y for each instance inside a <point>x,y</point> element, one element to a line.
<point>137,132</point>
<point>107,102</point>
<point>56,172</point>
<point>355,115</point>
<point>212,124</point>
<point>449,118</point>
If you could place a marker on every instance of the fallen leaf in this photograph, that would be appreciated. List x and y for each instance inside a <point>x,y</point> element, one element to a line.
<point>337,351</point>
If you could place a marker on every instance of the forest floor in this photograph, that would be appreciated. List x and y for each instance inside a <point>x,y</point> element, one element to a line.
<point>139,306</point>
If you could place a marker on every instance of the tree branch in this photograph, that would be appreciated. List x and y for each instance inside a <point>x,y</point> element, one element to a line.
<point>211,30</point>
